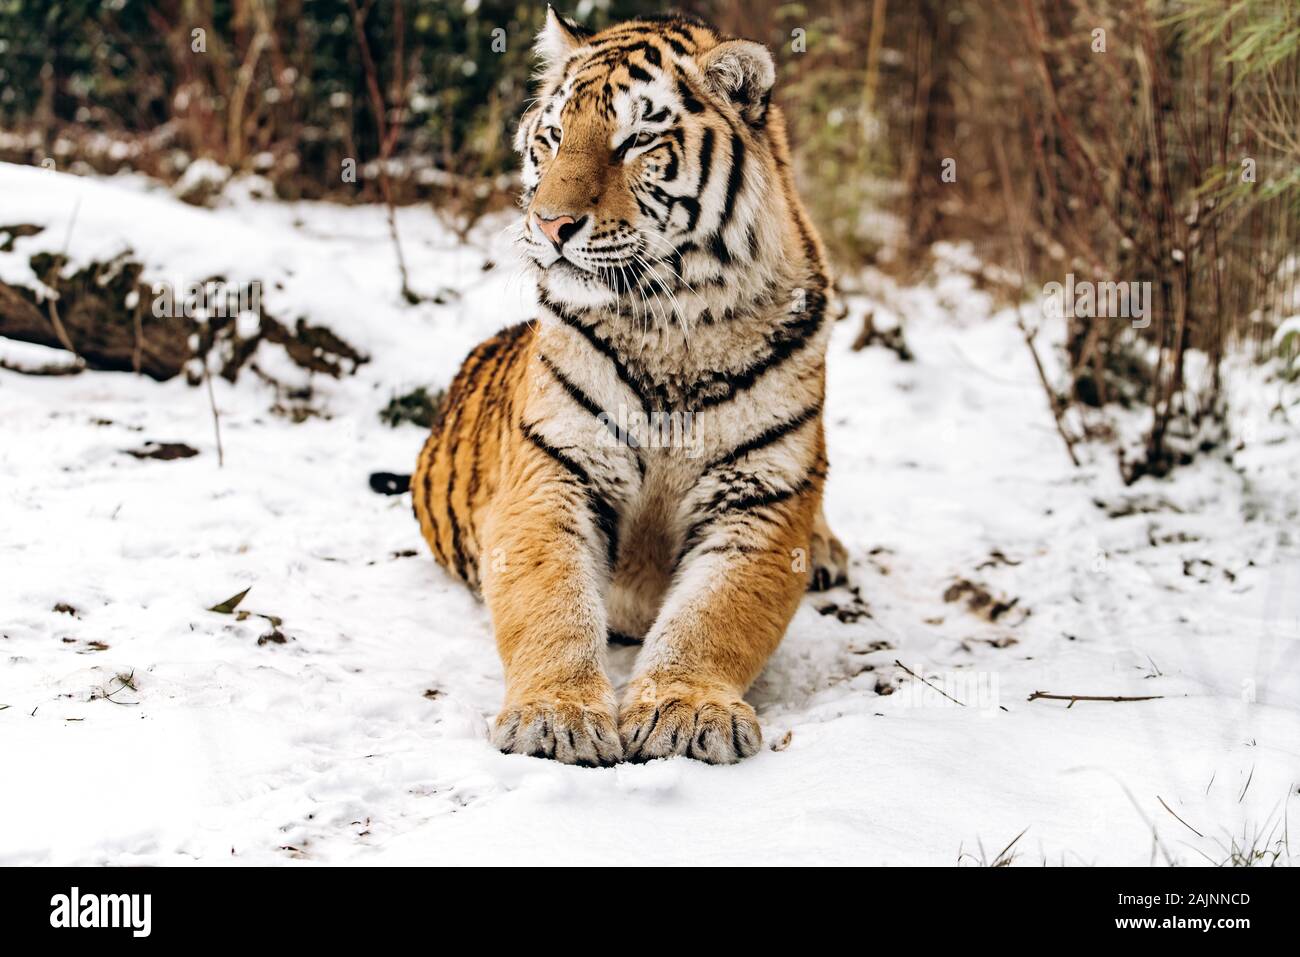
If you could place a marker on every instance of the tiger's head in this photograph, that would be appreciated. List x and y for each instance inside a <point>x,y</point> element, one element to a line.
<point>647,159</point>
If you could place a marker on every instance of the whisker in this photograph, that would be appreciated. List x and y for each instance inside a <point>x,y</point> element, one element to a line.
<point>649,273</point>
<point>664,261</point>
<point>675,305</point>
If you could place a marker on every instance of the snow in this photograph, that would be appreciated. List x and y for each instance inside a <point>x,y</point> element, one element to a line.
<point>140,728</point>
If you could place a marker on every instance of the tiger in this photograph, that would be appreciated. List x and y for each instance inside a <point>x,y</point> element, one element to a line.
<point>644,462</point>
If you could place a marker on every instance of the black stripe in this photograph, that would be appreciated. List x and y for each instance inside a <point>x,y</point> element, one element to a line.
<point>502,361</point>
<point>601,346</point>
<point>466,387</point>
<point>604,515</point>
<point>794,337</point>
<point>670,171</point>
<point>672,24</point>
<point>687,95</point>
<point>718,246</point>
<point>810,250</point>
<point>706,170</point>
<point>692,208</point>
<point>662,195</point>
<point>506,411</point>
<point>573,467</point>
<point>588,403</point>
<point>637,73</point>
<point>720,508</point>
<point>617,35</point>
<point>646,211</point>
<point>621,150</point>
<point>718,243</point>
<point>428,498</point>
<point>767,437</point>
<point>733,181</point>
<point>581,86</point>
<point>613,46</point>
<point>706,163</point>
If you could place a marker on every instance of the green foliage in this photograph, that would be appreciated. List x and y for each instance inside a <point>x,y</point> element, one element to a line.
<point>1254,40</point>
<point>419,407</point>
<point>845,163</point>
<point>1258,35</point>
<point>228,606</point>
<point>1287,349</point>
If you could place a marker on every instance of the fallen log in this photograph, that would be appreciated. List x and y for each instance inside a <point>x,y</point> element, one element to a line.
<point>110,319</point>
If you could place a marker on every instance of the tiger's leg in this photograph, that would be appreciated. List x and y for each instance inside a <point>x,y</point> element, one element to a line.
<point>828,563</point>
<point>729,607</point>
<point>544,571</point>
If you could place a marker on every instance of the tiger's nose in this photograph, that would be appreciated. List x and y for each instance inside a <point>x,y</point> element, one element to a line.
<point>560,229</point>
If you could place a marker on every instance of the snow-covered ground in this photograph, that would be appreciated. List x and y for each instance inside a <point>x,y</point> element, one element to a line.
<point>137,727</point>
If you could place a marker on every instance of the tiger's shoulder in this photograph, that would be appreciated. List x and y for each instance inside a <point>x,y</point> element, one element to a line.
<point>495,360</point>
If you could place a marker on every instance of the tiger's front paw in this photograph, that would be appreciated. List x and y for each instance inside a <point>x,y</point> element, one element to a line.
<point>709,725</point>
<point>568,731</point>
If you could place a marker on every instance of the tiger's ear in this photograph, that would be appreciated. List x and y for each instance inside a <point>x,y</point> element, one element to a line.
<point>743,72</point>
<point>557,39</point>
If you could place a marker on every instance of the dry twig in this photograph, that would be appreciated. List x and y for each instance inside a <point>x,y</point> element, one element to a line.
<point>387,134</point>
<point>216,417</point>
<point>928,685</point>
<point>1177,818</point>
<point>1072,698</point>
